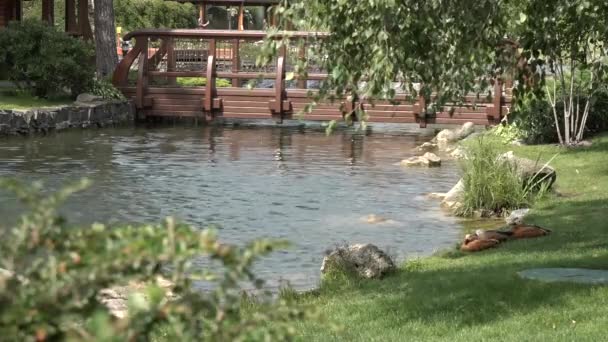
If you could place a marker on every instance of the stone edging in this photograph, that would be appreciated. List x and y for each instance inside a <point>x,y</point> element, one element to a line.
<point>77,115</point>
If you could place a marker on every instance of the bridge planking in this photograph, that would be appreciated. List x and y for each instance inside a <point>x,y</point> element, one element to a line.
<point>278,103</point>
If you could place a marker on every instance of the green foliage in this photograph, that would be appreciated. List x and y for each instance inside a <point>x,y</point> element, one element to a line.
<point>493,183</point>
<point>447,46</point>
<point>507,133</point>
<point>105,88</point>
<point>44,61</point>
<point>201,82</point>
<point>138,14</point>
<point>54,274</point>
<point>566,39</point>
<point>534,117</point>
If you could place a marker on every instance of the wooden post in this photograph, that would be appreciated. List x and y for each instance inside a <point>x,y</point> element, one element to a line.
<point>70,16</point>
<point>142,74</point>
<point>279,85</point>
<point>201,15</point>
<point>211,73</point>
<point>241,17</point>
<point>236,61</point>
<point>18,15</point>
<point>171,64</point>
<point>273,17</point>
<point>421,112</point>
<point>302,57</point>
<point>48,11</point>
<point>496,114</point>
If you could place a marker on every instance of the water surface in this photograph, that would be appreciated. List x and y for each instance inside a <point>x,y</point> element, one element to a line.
<point>287,183</point>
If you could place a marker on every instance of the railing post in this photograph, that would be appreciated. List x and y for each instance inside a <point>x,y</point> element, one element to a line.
<point>210,87</point>
<point>302,57</point>
<point>421,112</point>
<point>279,85</point>
<point>236,61</point>
<point>172,80</point>
<point>142,74</point>
<point>497,101</point>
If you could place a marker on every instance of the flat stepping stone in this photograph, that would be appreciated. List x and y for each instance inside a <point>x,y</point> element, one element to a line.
<point>570,275</point>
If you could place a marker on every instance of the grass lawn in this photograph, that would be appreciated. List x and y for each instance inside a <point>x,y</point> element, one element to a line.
<point>20,101</point>
<point>479,297</point>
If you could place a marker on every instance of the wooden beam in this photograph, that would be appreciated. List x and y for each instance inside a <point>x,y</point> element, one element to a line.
<point>171,62</point>
<point>70,16</point>
<point>210,87</point>
<point>241,17</point>
<point>236,61</point>
<point>48,11</point>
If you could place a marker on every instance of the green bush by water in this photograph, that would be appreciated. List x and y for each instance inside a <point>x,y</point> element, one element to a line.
<point>492,182</point>
<point>44,61</point>
<point>53,275</point>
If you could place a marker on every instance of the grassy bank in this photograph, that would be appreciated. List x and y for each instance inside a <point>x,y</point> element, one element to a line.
<point>22,101</point>
<point>474,297</point>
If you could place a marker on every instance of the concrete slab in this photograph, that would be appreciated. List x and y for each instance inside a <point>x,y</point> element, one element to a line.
<point>570,275</point>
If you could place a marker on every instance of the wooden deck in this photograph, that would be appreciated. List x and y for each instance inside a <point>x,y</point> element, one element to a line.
<point>150,72</point>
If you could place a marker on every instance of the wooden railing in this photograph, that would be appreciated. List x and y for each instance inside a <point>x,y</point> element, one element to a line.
<point>156,71</point>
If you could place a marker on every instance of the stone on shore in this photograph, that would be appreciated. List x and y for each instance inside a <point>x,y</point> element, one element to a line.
<point>116,298</point>
<point>448,136</point>
<point>530,170</point>
<point>427,147</point>
<point>428,159</point>
<point>454,197</point>
<point>517,216</point>
<point>366,260</point>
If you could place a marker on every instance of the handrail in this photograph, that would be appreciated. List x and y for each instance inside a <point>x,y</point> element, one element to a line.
<point>211,100</point>
<point>221,34</point>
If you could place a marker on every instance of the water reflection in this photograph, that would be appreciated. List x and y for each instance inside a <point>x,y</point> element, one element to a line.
<point>287,183</point>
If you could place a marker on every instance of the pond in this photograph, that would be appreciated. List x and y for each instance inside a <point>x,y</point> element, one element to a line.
<point>291,183</point>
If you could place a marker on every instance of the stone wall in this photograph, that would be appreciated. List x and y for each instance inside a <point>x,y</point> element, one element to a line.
<point>72,116</point>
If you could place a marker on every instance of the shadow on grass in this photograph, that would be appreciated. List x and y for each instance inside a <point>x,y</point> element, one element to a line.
<point>461,296</point>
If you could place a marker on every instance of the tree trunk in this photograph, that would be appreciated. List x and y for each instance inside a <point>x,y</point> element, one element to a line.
<point>105,38</point>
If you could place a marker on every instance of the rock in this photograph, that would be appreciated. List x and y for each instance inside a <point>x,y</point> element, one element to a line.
<point>467,129</point>
<point>530,170</point>
<point>427,147</point>
<point>456,193</point>
<point>447,136</point>
<point>367,260</point>
<point>517,216</point>
<point>116,298</point>
<point>458,153</point>
<point>89,98</point>
<point>428,159</point>
<point>373,218</point>
<point>437,195</point>
<point>566,275</point>
<point>483,213</point>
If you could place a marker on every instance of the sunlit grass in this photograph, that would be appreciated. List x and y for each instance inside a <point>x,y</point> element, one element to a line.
<point>22,101</point>
<point>479,297</point>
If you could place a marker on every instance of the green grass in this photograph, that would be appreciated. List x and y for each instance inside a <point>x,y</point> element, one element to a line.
<point>454,296</point>
<point>23,101</point>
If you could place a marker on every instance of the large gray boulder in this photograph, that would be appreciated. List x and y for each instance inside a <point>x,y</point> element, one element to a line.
<point>448,136</point>
<point>366,260</point>
<point>531,171</point>
<point>453,199</point>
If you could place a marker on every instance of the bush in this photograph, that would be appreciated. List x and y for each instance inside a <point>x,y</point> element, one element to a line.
<point>105,88</point>
<point>493,183</point>
<point>534,117</point>
<point>44,61</point>
<point>53,276</point>
<point>138,14</point>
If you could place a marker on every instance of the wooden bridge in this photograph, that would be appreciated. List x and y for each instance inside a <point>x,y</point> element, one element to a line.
<point>203,73</point>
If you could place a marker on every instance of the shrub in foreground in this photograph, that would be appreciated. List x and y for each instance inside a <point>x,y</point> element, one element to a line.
<point>53,275</point>
<point>44,61</point>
